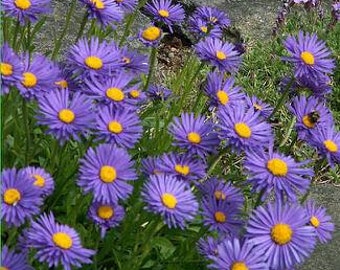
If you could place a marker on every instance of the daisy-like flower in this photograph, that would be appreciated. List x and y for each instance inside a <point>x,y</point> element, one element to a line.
<point>258,105</point>
<point>106,12</point>
<point>38,76</point>
<point>110,90</point>
<point>171,199</point>
<point>94,57</point>
<point>150,166</point>
<point>104,171</point>
<point>202,28</point>
<point>19,200</point>
<point>119,126</point>
<point>309,55</point>
<point>106,215</point>
<point>136,95</point>
<point>319,87</point>
<point>273,172</point>
<point>57,244</point>
<point>66,79</point>
<point>327,141</point>
<point>281,234</point>
<point>150,36</point>
<point>182,166</point>
<point>222,92</point>
<point>166,12</point>
<point>318,218</point>
<point>196,135</point>
<point>213,16</point>
<point>221,190</point>
<point>158,92</point>
<point>221,216</point>
<point>13,261</point>
<point>235,254</point>
<point>336,11</point>
<point>310,113</point>
<point>127,5</point>
<point>24,10</point>
<point>244,129</point>
<point>222,55</point>
<point>11,68</point>
<point>208,246</point>
<point>134,62</point>
<point>41,179</point>
<point>65,117</point>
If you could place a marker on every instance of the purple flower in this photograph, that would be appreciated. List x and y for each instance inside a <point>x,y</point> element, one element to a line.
<point>222,92</point>
<point>258,105</point>
<point>196,135</point>
<point>94,57</point>
<point>310,113</point>
<point>158,92</point>
<point>166,12</point>
<point>213,16</point>
<point>171,199</point>
<point>13,261</point>
<point>19,200</point>
<point>134,62</point>
<point>41,179</point>
<point>336,11</point>
<point>65,117</point>
<point>119,126</point>
<point>219,54</point>
<point>235,254</point>
<point>183,167</point>
<point>201,28</point>
<point>223,191</point>
<point>107,216</point>
<point>57,243</point>
<point>106,12</point>
<point>26,10</point>
<point>66,79</point>
<point>327,142</point>
<point>221,216</point>
<point>127,5</point>
<point>136,95</point>
<point>150,166</point>
<point>319,87</point>
<point>280,233</point>
<point>272,171</point>
<point>11,68</point>
<point>208,246</point>
<point>38,76</point>
<point>104,171</point>
<point>150,36</point>
<point>309,55</point>
<point>244,129</point>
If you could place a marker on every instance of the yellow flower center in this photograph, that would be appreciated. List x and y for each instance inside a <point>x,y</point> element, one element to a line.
<point>134,93</point>
<point>151,33</point>
<point>39,180</point>
<point>66,115</point>
<point>223,97</point>
<point>6,69</point>
<point>169,200</point>
<point>307,58</point>
<point>22,4</point>
<point>62,240</point>
<point>115,127</point>
<point>126,60</point>
<point>163,13</point>
<point>29,79</point>
<point>3,268</point>
<point>12,196</point>
<point>105,211</point>
<point>184,170</point>
<point>94,62</point>
<point>219,195</point>
<point>62,83</point>
<point>204,29</point>
<point>257,107</point>
<point>107,174</point>
<point>242,130</point>
<point>281,233</point>
<point>315,221</point>
<point>98,4</point>
<point>221,55</point>
<point>194,137</point>
<point>220,217</point>
<point>277,167</point>
<point>239,266</point>
<point>115,94</point>
<point>307,121</point>
<point>331,146</point>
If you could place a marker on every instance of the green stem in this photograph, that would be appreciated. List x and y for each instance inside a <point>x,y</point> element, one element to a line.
<point>63,33</point>
<point>82,26</point>
<point>259,198</point>
<point>153,57</point>
<point>290,129</point>
<point>27,129</point>
<point>16,30</point>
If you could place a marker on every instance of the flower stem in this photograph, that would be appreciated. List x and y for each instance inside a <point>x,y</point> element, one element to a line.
<point>82,26</point>
<point>153,57</point>
<point>63,33</point>
<point>16,30</point>
<point>27,129</point>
